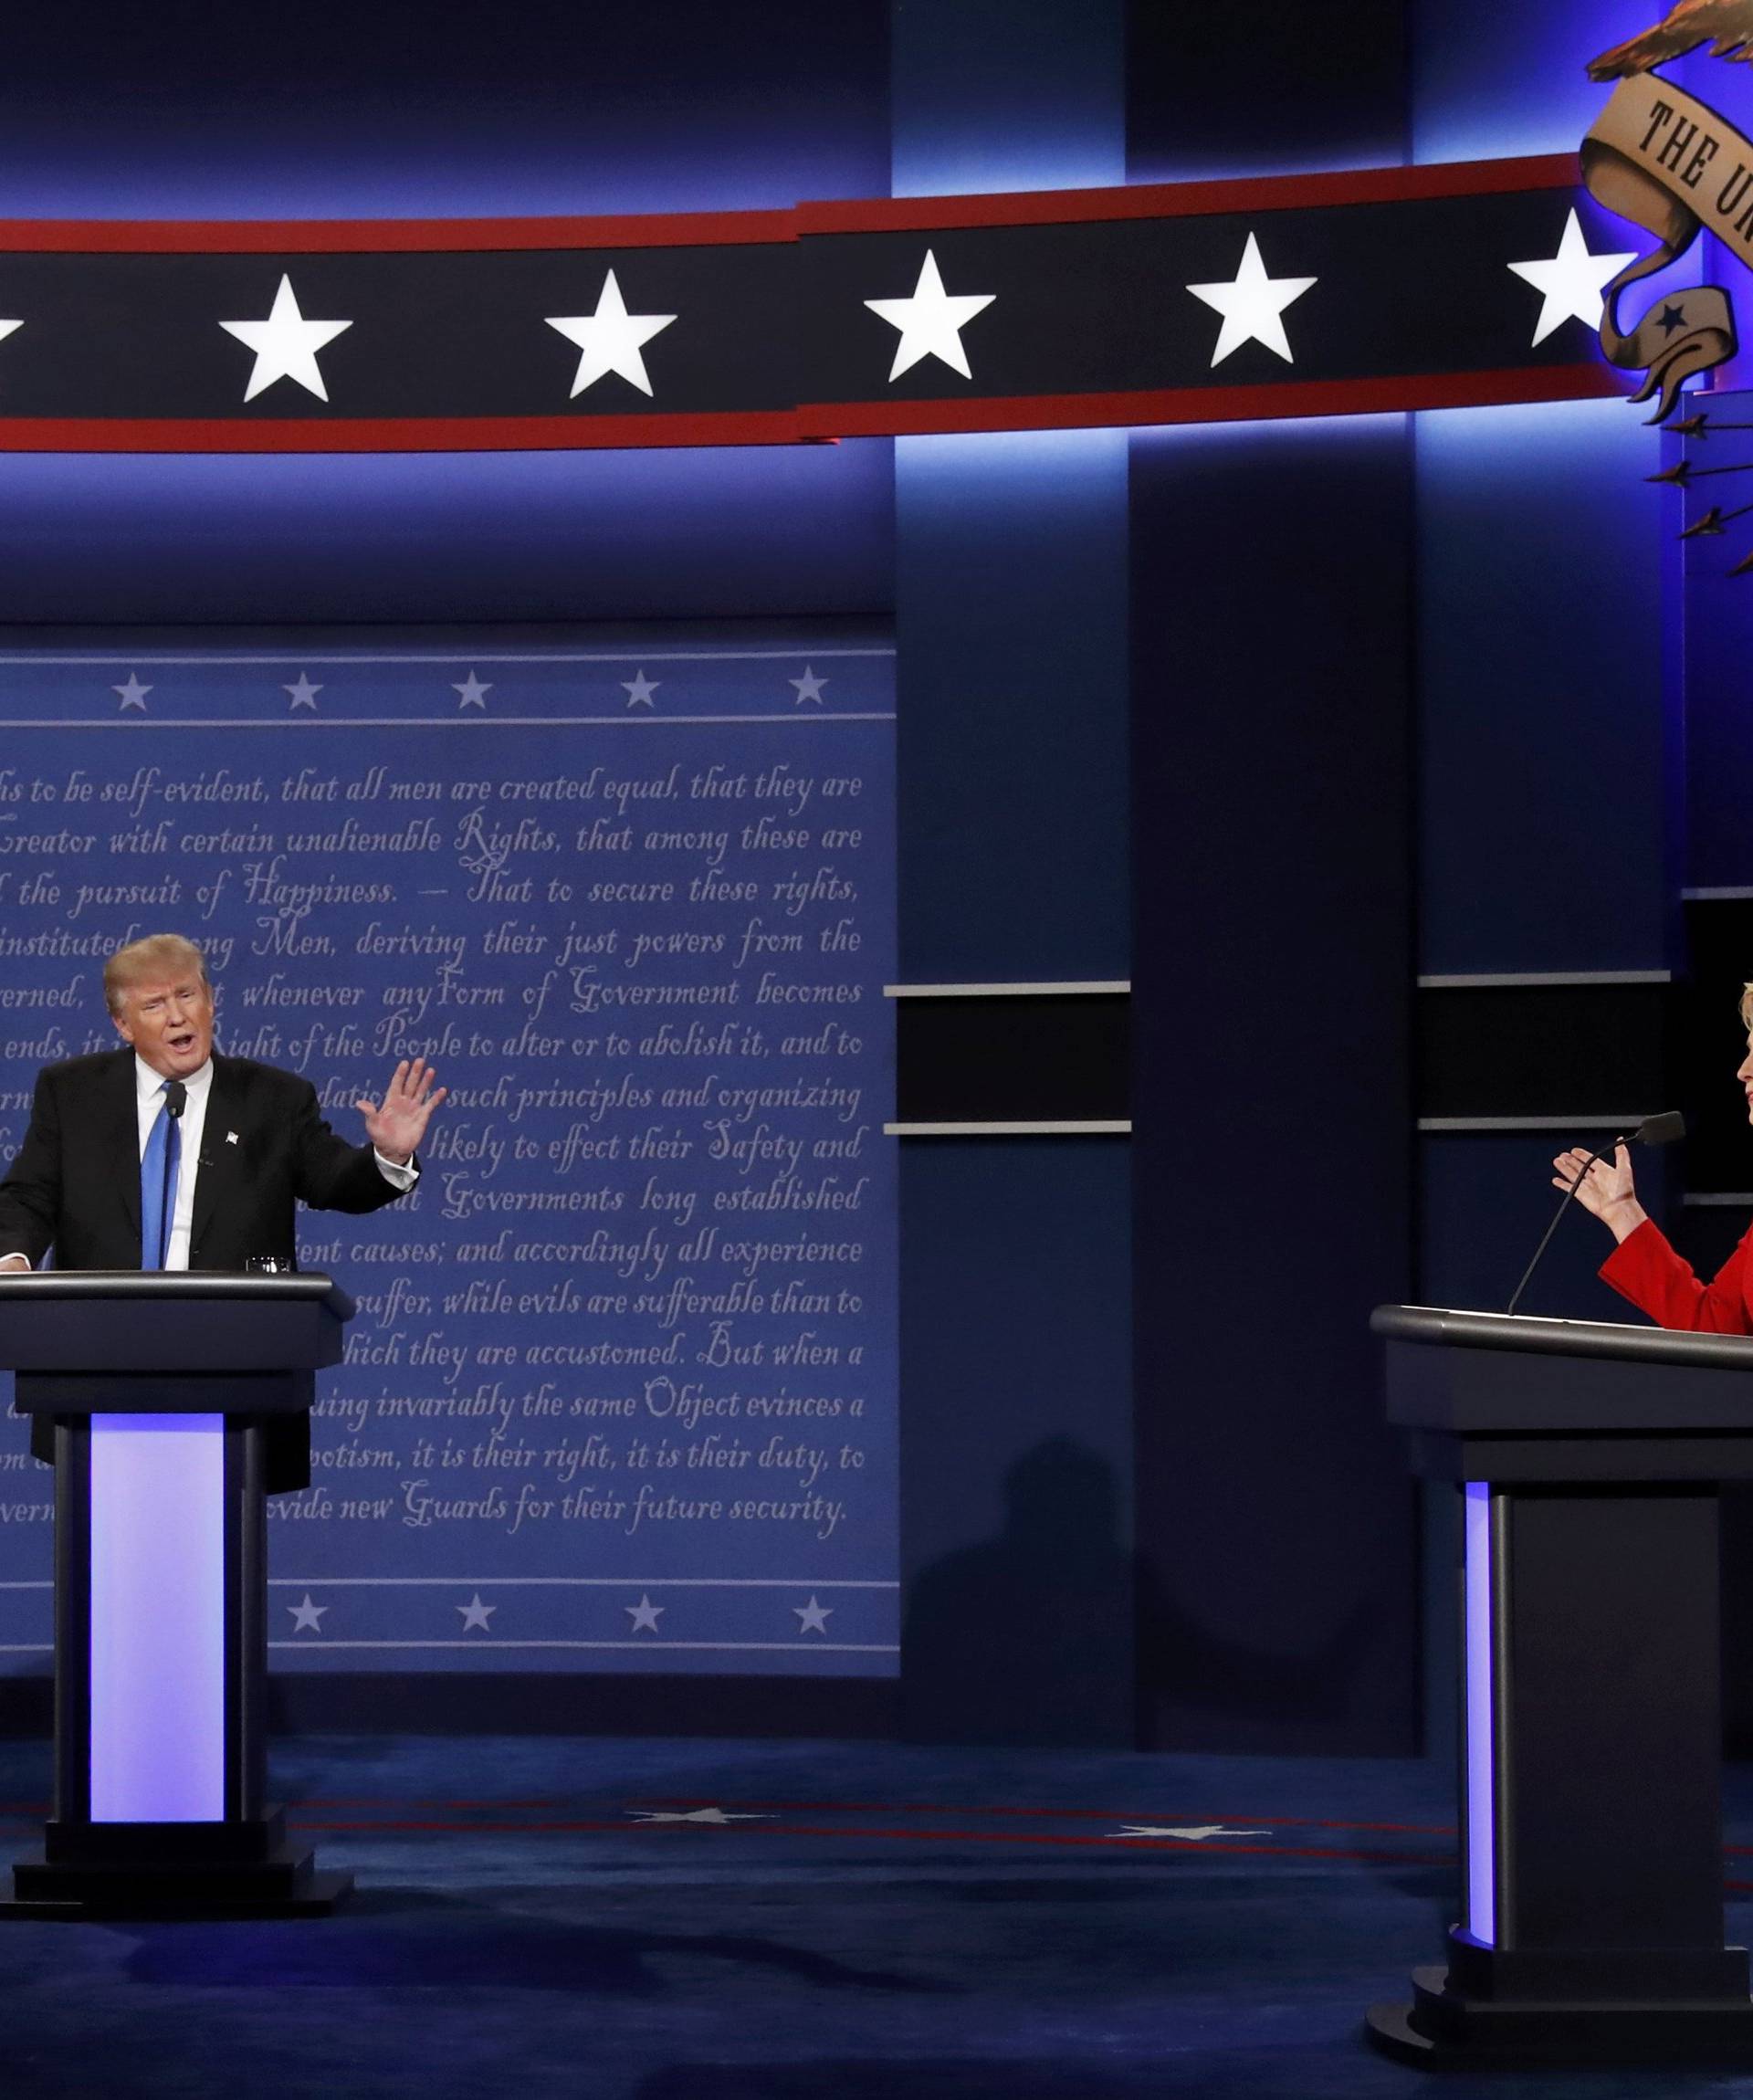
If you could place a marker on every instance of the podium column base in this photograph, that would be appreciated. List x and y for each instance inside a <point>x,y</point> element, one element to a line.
<point>1441,2031</point>
<point>247,1869</point>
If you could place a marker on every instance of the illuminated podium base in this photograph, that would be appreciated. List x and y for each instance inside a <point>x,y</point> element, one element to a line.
<point>1588,1459</point>
<point>161,1394</point>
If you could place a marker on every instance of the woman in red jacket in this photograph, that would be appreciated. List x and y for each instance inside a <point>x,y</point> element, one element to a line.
<point>1644,1268</point>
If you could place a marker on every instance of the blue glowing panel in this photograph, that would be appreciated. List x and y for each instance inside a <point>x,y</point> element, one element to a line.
<point>1541,551</point>
<point>1718,638</point>
<point>1492,81</point>
<point>158,1620</point>
<point>1009,95</point>
<point>785,531</point>
<point>458,112</point>
<point>1482,1890</point>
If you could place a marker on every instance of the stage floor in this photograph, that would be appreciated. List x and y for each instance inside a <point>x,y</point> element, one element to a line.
<point>697,1920</point>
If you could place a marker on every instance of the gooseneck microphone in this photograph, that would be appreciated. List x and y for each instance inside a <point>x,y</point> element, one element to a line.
<point>177,1098</point>
<point>1661,1129</point>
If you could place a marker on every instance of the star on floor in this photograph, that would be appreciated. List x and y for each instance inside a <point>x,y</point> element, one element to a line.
<point>639,689</point>
<point>812,1618</point>
<point>476,1614</point>
<point>1193,1832</point>
<point>471,693</point>
<point>133,694</point>
<point>307,1618</point>
<point>930,321</point>
<point>1253,305</point>
<point>644,1615</point>
<point>809,688</point>
<point>285,344</point>
<point>304,694</point>
<point>610,339</point>
<point>1571,282</point>
<point>692,1816</point>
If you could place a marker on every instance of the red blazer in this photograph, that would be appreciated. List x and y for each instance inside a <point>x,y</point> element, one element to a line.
<point>1645,1268</point>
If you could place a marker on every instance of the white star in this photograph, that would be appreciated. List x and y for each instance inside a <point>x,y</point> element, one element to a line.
<point>809,687</point>
<point>133,694</point>
<point>610,339</point>
<point>812,1618</point>
<point>304,694</point>
<point>1253,305</point>
<point>471,693</point>
<point>692,1816</point>
<point>644,1615</point>
<point>307,1618</point>
<point>930,321</point>
<point>285,344</point>
<point>1193,1831</point>
<point>477,1615</point>
<point>7,327</point>
<point>639,689</point>
<point>1571,282</point>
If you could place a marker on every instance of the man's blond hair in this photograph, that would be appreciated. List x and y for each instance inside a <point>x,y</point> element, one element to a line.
<point>158,955</point>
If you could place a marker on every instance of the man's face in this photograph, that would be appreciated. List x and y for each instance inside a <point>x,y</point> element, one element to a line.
<point>169,1022</point>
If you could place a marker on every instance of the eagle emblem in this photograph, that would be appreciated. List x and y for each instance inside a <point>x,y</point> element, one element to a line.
<point>1727,26</point>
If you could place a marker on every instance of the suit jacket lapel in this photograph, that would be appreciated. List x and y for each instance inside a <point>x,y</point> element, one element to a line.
<point>218,1159</point>
<point>120,1113</point>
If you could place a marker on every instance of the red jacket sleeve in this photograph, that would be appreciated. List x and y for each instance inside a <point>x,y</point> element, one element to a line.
<point>1645,1268</point>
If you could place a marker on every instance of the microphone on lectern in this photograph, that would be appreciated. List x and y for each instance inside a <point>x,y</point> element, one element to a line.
<point>1662,1130</point>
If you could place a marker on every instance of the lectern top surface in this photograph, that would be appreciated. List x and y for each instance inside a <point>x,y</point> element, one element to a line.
<point>1440,1327</point>
<point>178,1287</point>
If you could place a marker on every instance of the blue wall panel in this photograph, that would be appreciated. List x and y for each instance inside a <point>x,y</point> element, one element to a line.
<point>1011,593</point>
<point>1016,1447</point>
<point>441,536</point>
<point>1540,555</point>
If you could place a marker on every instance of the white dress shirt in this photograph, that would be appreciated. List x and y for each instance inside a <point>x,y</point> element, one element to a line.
<point>149,1103</point>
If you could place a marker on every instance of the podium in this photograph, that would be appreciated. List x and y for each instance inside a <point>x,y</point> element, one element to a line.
<point>160,1391</point>
<point>1589,1459</point>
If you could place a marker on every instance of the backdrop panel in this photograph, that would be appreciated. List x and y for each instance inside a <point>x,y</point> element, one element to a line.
<point>621,1394</point>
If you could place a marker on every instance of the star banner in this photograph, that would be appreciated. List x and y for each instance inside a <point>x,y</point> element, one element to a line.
<point>1669,163</point>
<point>1392,289</point>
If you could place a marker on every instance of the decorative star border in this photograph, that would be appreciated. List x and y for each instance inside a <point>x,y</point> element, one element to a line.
<point>318,1614</point>
<point>807,692</point>
<point>1391,289</point>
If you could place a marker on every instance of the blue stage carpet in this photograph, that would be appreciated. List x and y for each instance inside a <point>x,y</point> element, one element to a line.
<point>865,1923</point>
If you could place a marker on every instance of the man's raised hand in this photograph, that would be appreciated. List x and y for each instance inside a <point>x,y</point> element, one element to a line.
<point>396,1124</point>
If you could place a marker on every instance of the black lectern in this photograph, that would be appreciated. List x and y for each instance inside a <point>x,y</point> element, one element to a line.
<point>1589,1459</point>
<point>161,1390</point>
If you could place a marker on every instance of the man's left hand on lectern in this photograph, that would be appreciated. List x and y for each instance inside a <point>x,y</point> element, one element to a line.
<point>396,1124</point>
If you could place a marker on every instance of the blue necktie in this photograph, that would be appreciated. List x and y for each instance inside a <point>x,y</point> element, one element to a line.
<point>158,1187</point>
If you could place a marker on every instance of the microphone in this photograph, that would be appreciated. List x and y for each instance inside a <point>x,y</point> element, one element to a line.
<point>1662,1130</point>
<point>177,1098</point>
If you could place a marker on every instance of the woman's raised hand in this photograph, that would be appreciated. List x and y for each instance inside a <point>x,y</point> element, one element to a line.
<point>1607,1187</point>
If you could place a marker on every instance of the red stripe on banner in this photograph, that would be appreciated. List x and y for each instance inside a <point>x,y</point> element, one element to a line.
<point>391,236</point>
<point>818,424</point>
<point>1275,398</point>
<point>1191,200</point>
<point>394,434</point>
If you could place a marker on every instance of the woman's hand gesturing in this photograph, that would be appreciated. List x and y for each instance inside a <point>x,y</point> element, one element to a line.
<point>1607,1188</point>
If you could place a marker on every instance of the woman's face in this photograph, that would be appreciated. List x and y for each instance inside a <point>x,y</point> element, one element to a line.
<point>1746,1077</point>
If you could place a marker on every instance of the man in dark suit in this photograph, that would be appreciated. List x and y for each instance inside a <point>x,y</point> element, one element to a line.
<point>250,1143</point>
